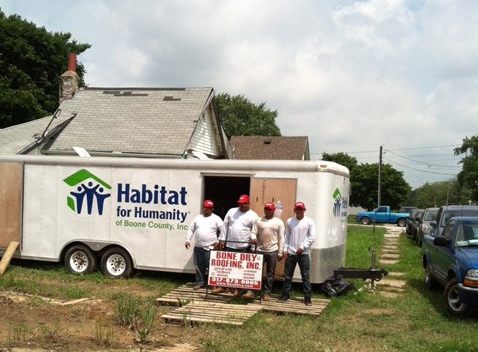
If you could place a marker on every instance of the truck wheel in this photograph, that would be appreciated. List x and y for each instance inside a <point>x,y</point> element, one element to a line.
<point>79,259</point>
<point>116,262</point>
<point>401,222</point>
<point>365,220</point>
<point>430,281</point>
<point>453,303</point>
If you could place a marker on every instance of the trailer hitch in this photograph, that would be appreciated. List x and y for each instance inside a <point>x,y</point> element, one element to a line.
<point>373,273</point>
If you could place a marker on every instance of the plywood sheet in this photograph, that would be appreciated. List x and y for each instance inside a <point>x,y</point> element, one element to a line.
<point>273,190</point>
<point>11,175</point>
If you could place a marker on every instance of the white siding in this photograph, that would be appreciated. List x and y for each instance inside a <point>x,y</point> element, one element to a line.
<point>205,138</point>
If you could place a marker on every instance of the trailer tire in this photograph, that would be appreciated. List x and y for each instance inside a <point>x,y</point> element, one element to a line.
<point>116,263</point>
<point>79,259</point>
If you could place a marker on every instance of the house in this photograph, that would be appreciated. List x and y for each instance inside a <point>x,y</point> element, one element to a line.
<point>279,148</point>
<point>134,122</point>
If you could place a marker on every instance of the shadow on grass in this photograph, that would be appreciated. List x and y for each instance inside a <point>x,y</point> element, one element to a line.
<point>436,299</point>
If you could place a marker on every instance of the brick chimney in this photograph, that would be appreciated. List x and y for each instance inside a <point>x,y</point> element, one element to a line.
<point>69,80</point>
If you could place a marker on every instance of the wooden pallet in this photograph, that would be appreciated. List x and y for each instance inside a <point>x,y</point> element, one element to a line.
<point>211,312</point>
<point>194,301</point>
<point>293,306</point>
<point>185,294</point>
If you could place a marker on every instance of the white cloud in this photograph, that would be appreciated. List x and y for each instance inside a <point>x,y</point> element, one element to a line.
<point>352,75</point>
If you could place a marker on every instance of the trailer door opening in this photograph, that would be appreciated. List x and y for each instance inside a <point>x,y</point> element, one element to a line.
<point>224,191</point>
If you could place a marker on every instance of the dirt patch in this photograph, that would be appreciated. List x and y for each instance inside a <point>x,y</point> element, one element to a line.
<point>379,311</point>
<point>30,323</point>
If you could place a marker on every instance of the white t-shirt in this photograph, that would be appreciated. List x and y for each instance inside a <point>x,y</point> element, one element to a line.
<point>269,233</point>
<point>206,230</point>
<point>238,226</point>
<point>299,233</point>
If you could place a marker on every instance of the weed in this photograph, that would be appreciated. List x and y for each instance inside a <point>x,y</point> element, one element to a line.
<point>136,315</point>
<point>18,333</point>
<point>73,292</point>
<point>104,333</point>
<point>50,332</point>
<point>144,321</point>
<point>126,309</point>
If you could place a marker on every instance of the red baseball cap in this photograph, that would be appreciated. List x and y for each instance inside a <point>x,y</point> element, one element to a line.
<point>208,204</point>
<point>269,206</point>
<point>299,205</point>
<point>243,199</point>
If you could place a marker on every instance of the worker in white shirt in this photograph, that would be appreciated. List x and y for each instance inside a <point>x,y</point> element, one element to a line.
<point>269,231</point>
<point>237,237</point>
<point>299,236</point>
<point>205,228</point>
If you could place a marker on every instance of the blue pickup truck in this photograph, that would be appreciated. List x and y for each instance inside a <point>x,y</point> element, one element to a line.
<point>451,260</point>
<point>382,215</point>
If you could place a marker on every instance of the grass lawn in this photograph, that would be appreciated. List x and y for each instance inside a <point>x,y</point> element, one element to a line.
<point>416,321</point>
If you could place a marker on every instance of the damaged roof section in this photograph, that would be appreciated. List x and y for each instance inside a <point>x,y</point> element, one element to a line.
<point>144,122</point>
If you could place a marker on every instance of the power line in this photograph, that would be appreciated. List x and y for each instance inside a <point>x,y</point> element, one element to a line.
<point>429,147</point>
<point>421,162</point>
<point>425,171</point>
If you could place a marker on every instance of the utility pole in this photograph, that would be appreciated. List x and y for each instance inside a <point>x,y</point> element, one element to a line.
<point>379,200</point>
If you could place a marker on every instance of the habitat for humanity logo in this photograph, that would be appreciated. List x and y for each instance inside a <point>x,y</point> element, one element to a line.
<point>340,204</point>
<point>87,192</point>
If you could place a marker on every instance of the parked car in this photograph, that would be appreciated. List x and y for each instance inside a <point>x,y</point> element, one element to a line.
<point>446,212</point>
<point>382,215</point>
<point>416,221</point>
<point>406,209</point>
<point>424,228</point>
<point>410,221</point>
<point>451,260</point>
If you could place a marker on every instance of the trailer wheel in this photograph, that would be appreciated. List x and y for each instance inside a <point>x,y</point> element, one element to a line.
<point>79,259</point>
<point>116,262</point>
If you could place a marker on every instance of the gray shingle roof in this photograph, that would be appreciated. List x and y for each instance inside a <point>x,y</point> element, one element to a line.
<point>15,138</point>
<point>270,148</point>
<point>131,120</point>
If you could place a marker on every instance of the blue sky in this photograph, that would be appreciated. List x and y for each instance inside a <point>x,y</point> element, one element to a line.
<point>350,75</point>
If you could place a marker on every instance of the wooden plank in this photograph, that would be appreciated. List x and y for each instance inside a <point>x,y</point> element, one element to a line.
<point>10,202</point>
<point>208,312</point>
<point>199,320</point>
<point>7,256</point>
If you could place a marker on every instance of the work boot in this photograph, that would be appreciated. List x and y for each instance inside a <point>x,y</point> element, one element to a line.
<point>307,301</point>
<point>248,295</point>
<point>218,290</point>
<point>266,298</point>
<point>284,298</point>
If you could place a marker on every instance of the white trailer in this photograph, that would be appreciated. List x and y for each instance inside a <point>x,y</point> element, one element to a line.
<point>125,213</point>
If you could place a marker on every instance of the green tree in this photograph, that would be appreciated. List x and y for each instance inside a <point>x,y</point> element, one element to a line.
<point>241,117</point>
<point>31,62</point>
<point>441,193</point>
<point>365,186</point>
<point>468,176</point>
<point>341,158</point>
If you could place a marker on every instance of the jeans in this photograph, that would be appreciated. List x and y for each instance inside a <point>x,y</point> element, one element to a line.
<point>304,265</point>
<point>201,263</point>
<point>270,259</point>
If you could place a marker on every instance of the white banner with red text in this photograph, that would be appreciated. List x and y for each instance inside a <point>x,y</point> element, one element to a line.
<point>235,270</point>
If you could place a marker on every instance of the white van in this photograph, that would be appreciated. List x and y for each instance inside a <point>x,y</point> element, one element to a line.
<point>126,213</point>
